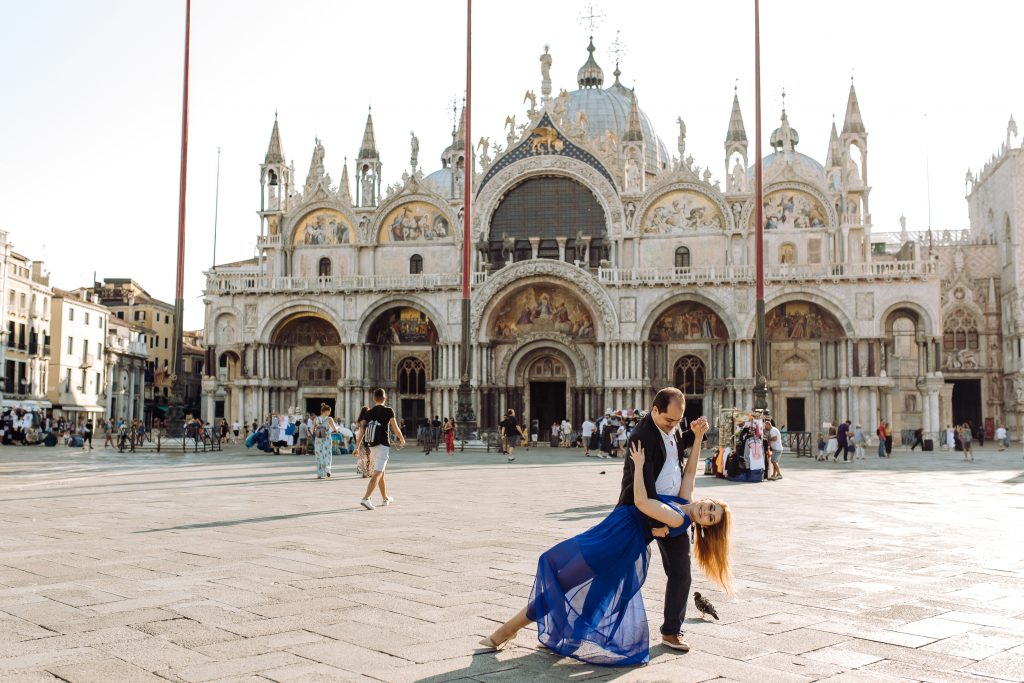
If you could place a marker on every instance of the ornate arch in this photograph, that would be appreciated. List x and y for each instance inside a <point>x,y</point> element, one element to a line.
<point>832,306</point>
<point>412,192</point>
<point>797,186</point>
<point>545,340</point>
<point>374,312</point>
<point>295,217</point>
<point>594,296</point>
<point>657,193</point>
<point>294,307</point>
<point>928,323</point>
<point>491,194</point>
<point>672,298</point>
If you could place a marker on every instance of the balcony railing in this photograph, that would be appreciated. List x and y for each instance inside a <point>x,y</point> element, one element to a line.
<point>269,240</point>
<point>240,283</point>
<point>808,272</point>
<point>87,361</point>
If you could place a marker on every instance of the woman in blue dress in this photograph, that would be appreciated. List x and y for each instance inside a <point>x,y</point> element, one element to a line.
<point>586,597</point>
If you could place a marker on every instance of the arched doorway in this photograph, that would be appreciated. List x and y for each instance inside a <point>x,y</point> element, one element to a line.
<point>411,399</point>
<point>403,356</point>
<point>305,350</point>
<point>804,361</point>
<point>690,349</point>
<point>688,375</point>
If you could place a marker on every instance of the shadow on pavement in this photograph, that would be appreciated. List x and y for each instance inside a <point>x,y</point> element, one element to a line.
<point>248,520</point>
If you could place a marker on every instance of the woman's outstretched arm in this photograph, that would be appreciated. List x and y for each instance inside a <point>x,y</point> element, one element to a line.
<point>652,507</point>
<point>699,427</point>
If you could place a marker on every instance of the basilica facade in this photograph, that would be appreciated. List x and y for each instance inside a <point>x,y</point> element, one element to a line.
<point>603,268</point>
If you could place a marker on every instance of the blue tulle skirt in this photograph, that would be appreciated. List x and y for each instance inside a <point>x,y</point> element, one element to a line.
<point>586,597</point>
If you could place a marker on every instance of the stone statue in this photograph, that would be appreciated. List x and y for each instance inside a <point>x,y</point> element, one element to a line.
<point>545,73</point>
<point>580,247</point>
<point>531,97</point>
<point>484,145</point>
<point>415,154</point>
<point>738,177</point>
<point>508,248</point>
<point>367,181</point>
<point>630,211</point>
<point>634,183</point>
<point>582,122</point>
<point>682,136</point>
<point>560,104</point>
<point>611,142</point>
<point>510,123</point>
<point>707,175</point>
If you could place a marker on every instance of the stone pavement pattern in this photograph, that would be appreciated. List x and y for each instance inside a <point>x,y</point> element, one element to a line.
<point>236,566</point>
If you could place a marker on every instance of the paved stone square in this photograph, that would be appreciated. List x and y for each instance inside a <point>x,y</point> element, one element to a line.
<point>238,566</point>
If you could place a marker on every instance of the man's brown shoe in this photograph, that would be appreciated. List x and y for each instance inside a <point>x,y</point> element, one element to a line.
<point>675,642</point>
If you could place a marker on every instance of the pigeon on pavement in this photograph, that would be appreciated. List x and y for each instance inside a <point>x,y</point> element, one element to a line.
<point>704,605</point>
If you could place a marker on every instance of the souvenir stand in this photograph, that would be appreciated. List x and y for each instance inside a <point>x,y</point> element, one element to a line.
<point>740,453</point>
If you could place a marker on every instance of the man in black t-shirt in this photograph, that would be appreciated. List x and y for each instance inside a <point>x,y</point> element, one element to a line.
<point>378,420</point>
<point>510,432</point>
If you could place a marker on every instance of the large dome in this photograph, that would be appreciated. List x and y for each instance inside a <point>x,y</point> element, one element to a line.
<point>440,181</point>
<point>809,166</point>
<point>608,109</point>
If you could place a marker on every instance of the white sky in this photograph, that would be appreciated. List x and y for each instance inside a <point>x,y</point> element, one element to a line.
<point>92,102</point>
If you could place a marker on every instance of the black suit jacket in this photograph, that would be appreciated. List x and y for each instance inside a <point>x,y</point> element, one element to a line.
<point>650,437</point>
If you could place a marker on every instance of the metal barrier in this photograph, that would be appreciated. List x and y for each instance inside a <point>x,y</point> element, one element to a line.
<point>798,443</point>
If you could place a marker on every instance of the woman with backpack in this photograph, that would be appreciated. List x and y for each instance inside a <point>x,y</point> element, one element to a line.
<point>323,428</point>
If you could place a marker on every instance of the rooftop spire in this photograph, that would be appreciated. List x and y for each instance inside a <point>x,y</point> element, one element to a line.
<point>853,123</point>
<point>368,150</point>
<point>737,132</point>
<point>590,74</point>
<point>275,154</point>
<point>343,186</point>
<point>459,136</point>
<point>835,153</point>
<point>633,131</point>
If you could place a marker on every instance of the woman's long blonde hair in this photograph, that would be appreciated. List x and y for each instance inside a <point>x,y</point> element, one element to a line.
<point>711,548</point>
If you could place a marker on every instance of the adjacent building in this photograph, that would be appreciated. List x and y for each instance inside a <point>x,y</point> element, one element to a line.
<point>25,311</point>
<point>193,361</point>
<point>77,386</point>
<point>128,301</point>
<point>126,362</point>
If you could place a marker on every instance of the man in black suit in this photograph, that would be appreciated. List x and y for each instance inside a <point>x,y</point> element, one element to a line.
<point>663,442</point>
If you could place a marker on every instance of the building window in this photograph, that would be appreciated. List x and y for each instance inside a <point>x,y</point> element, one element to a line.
<point>21,336</point>
<point>682,257</point>
<point>158,317</point>
<point>67,380</point>
<point>71,346</point>
<point>98,383</point>
<point>688,375</point>
<point>960,332</point>
<point>165,342</point>
<point>87,317</point>
<point>10,334</point>
<point>84,386</point>
<point>412,377</point>
<point>324,267</point>
<point>85,349</point>
<point>415,264</point>
<point>71,313</point>
<point>120,314</point>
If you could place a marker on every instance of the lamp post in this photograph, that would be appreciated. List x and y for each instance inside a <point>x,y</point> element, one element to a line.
<point>760,345</point>
<point>464,412</point>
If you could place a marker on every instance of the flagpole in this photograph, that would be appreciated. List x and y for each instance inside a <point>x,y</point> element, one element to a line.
<point>464,411</point>
<point>760,352</point>
<point>175,412</point>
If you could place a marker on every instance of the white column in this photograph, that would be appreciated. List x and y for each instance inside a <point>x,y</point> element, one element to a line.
<point>873,415</point>
<point>933,402</point>
<point>926,417</point>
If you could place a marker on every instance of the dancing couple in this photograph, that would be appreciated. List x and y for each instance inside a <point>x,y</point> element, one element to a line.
<point>586,597</point>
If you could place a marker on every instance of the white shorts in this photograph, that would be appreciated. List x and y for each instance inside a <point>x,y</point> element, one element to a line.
<point>380,457</point>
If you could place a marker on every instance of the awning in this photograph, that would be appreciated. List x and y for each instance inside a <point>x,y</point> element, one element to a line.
<point>25,404</point>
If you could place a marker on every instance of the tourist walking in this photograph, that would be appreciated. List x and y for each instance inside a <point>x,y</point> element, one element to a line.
<point>108,438</point>
<point>858,442</point>
<point>586,597</point>
<point>323,444</point>
<point>87,434</point>
<point>950,438</point>
<point>967,438</point>
<point>587,430</point>
<point>448,429</point>
<point>379,419</point>
<point>880,433</point>
<point>775,443</point>
<point>918,439</point>
<point>510,431</point>
<point>842,434</point>
<point>1001,438</point>
<point>361,452</point>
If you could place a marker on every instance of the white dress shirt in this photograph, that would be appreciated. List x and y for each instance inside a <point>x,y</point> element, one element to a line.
<point>671,476</point>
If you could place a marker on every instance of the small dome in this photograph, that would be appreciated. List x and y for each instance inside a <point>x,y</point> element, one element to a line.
<point>776,139</point>
<point>590,74</point>
<point>440,181</point>
<point>802,162</point>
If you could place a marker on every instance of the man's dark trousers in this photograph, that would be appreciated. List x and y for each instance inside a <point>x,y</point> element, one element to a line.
<point>675,558</point>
